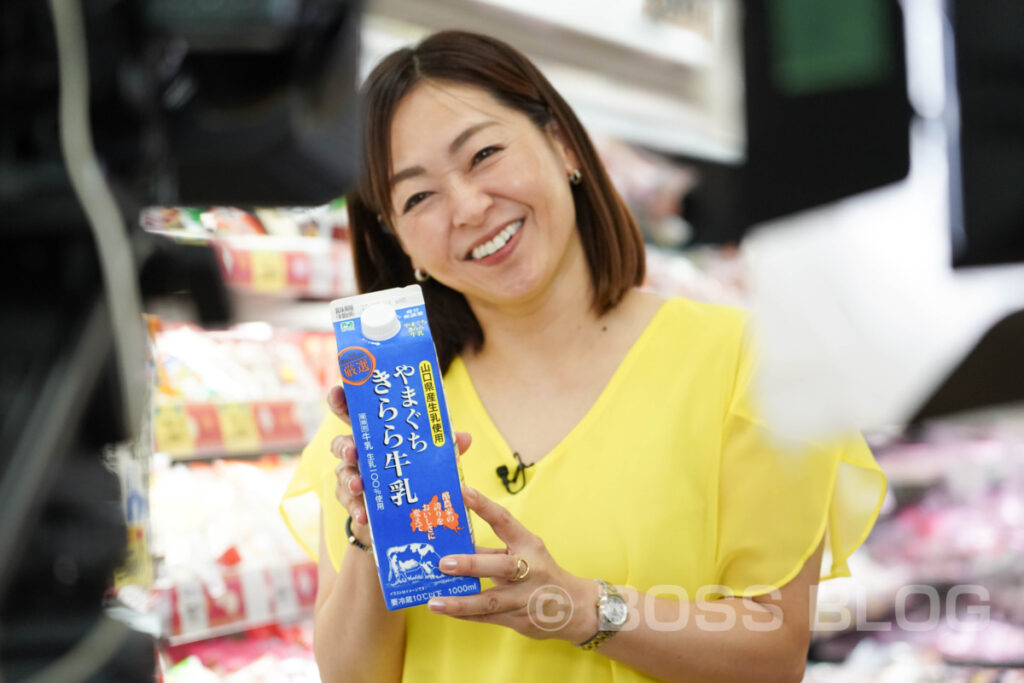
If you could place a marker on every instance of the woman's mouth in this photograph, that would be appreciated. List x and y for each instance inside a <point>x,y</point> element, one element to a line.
<point>496,243</point>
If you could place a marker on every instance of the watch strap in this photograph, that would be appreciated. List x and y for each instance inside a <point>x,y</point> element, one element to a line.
<point>602,635</point>
<point>595,640</point>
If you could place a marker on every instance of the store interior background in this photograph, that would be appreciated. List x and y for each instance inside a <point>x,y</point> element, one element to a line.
<point>861,318</point>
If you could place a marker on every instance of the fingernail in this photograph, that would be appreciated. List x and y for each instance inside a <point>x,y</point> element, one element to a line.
<point>447,564</point>
<point>436,605</point>
<point>351,485</point>
<point>348,452</point>
<point>335,443</point>
<point>471,495</point>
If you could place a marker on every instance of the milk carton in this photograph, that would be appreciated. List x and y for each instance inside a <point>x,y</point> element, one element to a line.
<point>406,446</point>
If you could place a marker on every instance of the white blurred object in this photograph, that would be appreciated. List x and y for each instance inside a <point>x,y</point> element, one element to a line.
<point>859,313</point>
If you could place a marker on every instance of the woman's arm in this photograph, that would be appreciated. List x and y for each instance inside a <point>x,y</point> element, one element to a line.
<point>355,637</point>
<point>732,639</point>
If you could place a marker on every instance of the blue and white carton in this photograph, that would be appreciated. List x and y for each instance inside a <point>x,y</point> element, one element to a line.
<point>406,446</point>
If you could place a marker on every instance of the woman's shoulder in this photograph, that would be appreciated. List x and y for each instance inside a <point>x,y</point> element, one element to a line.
<point>692,339</point>
<point>699,320</point>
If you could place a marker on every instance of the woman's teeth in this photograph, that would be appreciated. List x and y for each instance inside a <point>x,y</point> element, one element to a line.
<point>497,242</point>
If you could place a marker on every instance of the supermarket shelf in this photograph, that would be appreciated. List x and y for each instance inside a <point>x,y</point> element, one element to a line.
<point>239,626</point>
<point>307,316</point>
<point>193,610</point>
<point>295,266</point>
<point>984,663</point>
<point>279,265</point>
<point>187,430</point>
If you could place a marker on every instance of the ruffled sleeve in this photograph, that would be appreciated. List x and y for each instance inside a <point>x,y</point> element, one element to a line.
<point>311,491</point>
<point>777,501</point>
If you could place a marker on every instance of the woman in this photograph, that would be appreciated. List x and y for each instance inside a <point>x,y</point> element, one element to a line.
<point>646,465</point>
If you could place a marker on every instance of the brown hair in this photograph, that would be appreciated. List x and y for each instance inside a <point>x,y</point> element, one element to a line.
<point>611,240</point>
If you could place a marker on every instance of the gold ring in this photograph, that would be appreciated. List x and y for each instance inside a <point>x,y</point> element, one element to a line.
<point>522,570</point>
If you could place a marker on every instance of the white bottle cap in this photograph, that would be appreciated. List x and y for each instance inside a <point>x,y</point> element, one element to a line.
<point>380,322</point>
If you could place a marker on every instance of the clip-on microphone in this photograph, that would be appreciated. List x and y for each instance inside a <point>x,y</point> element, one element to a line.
<point>502,472</point>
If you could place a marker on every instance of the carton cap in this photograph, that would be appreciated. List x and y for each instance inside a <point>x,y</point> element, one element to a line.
<point>380,322</point>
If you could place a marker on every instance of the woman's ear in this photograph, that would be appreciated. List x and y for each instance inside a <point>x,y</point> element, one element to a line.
<point>560,142</point>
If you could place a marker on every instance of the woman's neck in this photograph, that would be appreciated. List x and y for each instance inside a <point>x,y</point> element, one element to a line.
<point>550,329</point>
<point>556,321</point>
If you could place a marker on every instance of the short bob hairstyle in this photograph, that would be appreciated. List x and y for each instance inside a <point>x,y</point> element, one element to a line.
<point>611,240</point>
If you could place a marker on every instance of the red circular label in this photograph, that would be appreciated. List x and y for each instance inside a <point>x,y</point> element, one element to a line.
<point>356,364</point>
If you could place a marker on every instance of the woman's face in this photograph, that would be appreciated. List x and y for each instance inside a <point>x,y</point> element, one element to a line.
<point>480,195</point>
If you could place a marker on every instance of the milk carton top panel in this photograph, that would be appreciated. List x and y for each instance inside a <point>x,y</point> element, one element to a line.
<point>353,306</point>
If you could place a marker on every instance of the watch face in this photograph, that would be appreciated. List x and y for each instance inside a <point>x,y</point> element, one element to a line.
<point>615,610</point>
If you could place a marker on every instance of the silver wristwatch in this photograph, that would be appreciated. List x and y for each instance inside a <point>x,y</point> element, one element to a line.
<point>612,613</point>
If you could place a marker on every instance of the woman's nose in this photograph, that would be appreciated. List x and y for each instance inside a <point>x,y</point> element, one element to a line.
<point>470,203</point>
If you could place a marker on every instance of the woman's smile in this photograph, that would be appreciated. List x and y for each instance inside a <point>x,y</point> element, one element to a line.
<point>494,250</point>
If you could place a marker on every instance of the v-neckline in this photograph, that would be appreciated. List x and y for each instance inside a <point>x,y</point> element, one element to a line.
<point>494,434</point>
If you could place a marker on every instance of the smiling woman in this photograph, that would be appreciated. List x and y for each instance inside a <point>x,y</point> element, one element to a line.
<point>654,495</point>
<point>465,72</point>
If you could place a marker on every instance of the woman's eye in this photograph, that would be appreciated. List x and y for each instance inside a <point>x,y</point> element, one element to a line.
<point>484,153</point>
<point>413,201</point>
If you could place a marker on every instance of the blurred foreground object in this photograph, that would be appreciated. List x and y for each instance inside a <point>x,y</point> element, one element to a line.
<point>861,317</point>
<point>110,106</point>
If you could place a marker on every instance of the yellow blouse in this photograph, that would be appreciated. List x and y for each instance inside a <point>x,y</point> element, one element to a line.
<point>670,482</point>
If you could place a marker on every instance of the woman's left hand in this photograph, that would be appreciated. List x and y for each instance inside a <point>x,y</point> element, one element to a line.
<point>532,594</point>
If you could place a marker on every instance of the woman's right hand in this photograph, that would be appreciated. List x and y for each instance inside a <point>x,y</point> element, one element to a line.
<point>349,487</point>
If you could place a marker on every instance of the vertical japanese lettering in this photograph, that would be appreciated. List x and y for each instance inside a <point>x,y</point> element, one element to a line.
<point>401,493</point>
<point>432,404</point>
<point>391,438</point>
<point>396,461</point>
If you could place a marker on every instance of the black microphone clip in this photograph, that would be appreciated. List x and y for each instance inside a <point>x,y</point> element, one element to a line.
<point>507,482</point>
